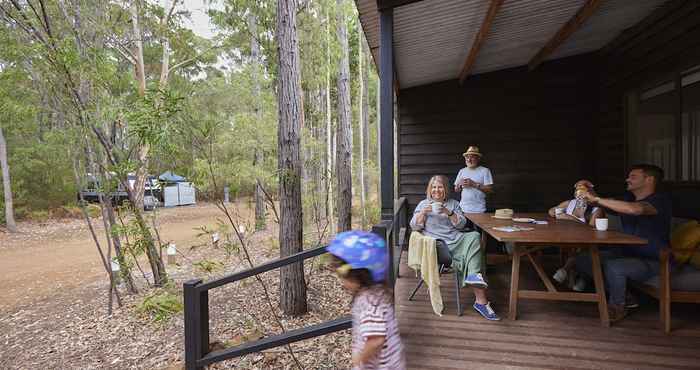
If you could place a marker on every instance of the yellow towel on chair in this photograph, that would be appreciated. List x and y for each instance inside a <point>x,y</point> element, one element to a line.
<point>422,255</point>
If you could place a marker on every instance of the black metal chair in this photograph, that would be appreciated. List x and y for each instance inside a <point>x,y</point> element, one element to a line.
<point>444,259</point>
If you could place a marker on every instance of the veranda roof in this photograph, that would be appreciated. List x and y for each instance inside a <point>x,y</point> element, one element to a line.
<point>433,38</point>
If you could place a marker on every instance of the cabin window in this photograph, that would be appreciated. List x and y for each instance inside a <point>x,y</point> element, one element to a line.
<point>663,126</point>
<point>651,127</point>
<point>690,125</point>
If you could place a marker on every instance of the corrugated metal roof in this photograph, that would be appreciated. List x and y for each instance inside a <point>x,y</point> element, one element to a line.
<point>432,37</point>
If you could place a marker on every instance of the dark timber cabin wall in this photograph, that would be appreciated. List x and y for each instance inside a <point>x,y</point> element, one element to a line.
<point>666,41</point>
<point>536,130</point>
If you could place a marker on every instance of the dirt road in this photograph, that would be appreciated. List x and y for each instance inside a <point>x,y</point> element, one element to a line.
<point>60,255</point>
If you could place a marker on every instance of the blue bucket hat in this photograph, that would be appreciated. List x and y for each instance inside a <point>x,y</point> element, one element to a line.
<point>361,249</point>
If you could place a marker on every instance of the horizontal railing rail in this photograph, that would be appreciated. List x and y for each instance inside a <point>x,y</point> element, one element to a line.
<point>196,296</point>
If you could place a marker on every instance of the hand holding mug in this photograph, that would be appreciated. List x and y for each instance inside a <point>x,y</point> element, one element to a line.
<point>426,209</point>
<point>438,208</point>
<point>467,183</point>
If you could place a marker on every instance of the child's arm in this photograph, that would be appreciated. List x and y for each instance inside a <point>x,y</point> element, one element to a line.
<point>371,349</point>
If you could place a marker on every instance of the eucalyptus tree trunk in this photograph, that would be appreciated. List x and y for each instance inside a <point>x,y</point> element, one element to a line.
<point>291,116</point>
<point>364,80</point>
<point>7,189</point>
<point>330,142</point>
<point>140,71</point>
<point>344,145</point>
<point>258,155</point>
<point>363,131</point>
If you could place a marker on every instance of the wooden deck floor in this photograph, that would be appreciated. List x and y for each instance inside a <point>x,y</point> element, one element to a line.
<point>547,335</point>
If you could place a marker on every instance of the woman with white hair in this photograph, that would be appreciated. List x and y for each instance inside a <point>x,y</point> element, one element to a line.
<point>441,218</point>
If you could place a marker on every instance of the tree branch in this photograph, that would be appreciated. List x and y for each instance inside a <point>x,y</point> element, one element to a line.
<point>193,59</point>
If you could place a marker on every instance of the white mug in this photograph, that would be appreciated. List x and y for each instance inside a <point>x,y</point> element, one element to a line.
<point>436,207</point>
<point>601,224</point>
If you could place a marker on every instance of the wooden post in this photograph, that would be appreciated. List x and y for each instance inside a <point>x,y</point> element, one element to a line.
<point>386,138</point>
<point>196,324</point>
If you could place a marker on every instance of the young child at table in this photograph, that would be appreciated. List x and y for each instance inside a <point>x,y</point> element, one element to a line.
<point>360,261</point>
<point>576,210</point>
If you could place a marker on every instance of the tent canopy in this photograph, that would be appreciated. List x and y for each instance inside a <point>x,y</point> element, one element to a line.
<point>169,176</point>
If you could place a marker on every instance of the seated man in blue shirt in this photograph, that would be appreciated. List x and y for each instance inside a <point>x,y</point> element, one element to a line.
<point>644,212</point>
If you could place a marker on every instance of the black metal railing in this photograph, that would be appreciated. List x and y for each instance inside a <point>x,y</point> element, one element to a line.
<point>196,296</point>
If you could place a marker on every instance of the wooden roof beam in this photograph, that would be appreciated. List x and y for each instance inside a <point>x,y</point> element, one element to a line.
<point>568,29</point>
<point>389,4</point>
<point>480,38</point>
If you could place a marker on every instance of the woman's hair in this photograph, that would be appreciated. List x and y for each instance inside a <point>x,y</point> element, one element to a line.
<point>443,180</point>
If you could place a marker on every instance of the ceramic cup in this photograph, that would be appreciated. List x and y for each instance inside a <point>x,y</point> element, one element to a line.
<point>601,224</point>
<point>436,207</point>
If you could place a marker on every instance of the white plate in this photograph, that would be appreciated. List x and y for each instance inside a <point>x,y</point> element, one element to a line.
<point>524,219</point>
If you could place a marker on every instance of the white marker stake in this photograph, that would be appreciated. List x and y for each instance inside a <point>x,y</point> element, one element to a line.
<point>171,252</point>
<point>215,239</point>
<point>115,271</point>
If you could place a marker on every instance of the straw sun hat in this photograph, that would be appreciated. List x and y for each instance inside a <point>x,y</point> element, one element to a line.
<point>472,150</point>
<point>504,214</point>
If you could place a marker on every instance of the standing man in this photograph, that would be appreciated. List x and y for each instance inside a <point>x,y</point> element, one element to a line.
<point>644,212</point>
<point>474,181</point>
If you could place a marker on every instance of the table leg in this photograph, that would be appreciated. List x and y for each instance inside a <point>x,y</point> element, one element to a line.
<point>484,239</point>
<point>514,280</point>
<point>599,287</point>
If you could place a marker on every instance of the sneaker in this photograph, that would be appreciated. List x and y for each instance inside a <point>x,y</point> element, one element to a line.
<point>631,301</point>
<point>560,276</point>
<point>580,285</point>
<point>486,311</point>
<point>476,280</point>
<point>616,312</point>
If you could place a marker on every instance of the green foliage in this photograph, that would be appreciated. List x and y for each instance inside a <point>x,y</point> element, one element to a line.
<point>160,305</point>
<point>208,266</point>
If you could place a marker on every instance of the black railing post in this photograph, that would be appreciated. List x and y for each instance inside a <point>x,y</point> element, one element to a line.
<point>386,107</point>
<point>382,229</point>
<point>196,323</point>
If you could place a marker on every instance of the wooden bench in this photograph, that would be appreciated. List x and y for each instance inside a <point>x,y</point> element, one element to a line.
<point>672,286</point>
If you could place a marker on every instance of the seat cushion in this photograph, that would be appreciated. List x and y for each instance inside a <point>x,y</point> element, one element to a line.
<point>684,240</point>
<point>685,278</point>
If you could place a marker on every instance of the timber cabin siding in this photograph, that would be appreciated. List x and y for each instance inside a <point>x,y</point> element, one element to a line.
<point>534,128</point>
<point>665,42</point>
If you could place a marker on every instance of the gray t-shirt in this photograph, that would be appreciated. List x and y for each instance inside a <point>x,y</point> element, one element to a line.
<point>474,200</point>
<point>439,226</point>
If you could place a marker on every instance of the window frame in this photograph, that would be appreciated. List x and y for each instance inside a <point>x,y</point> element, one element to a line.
<point>654,82</point>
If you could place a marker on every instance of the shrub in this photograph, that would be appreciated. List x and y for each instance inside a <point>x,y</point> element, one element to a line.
<point>208,266</point>
<point>38,216</point>
<point>160,306</point>
<point>93,210</point>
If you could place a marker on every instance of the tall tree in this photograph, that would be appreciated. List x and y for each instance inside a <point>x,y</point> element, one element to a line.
<point>291,117</point>
<point>258,155</point>
<point>363,122</point>
<point>330,149</point>
<point>9,210</point>
<point>344,146</point>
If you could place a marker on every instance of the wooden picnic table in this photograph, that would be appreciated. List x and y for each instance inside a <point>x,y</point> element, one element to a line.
<point>557,233</point>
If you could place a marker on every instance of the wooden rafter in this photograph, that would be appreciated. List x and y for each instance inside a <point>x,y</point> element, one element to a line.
<point>480,38</point>
<point>568,29</point>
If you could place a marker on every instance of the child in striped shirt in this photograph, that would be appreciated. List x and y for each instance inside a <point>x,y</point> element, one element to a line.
<point>376,343</point>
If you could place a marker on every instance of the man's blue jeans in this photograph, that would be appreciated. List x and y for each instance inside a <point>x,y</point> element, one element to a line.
<point>617,269</point>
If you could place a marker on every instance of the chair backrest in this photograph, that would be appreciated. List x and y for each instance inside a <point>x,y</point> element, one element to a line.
<point>444,256</point>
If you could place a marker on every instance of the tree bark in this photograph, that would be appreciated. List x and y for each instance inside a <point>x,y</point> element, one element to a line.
<point>258,155</point>
<point>330,143</point>
<point>143,151</point>
<point>365,104</point>
<point>6,185</point>
<point>344,148</point>
<point>291,116</point>
<point>362,115</point>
